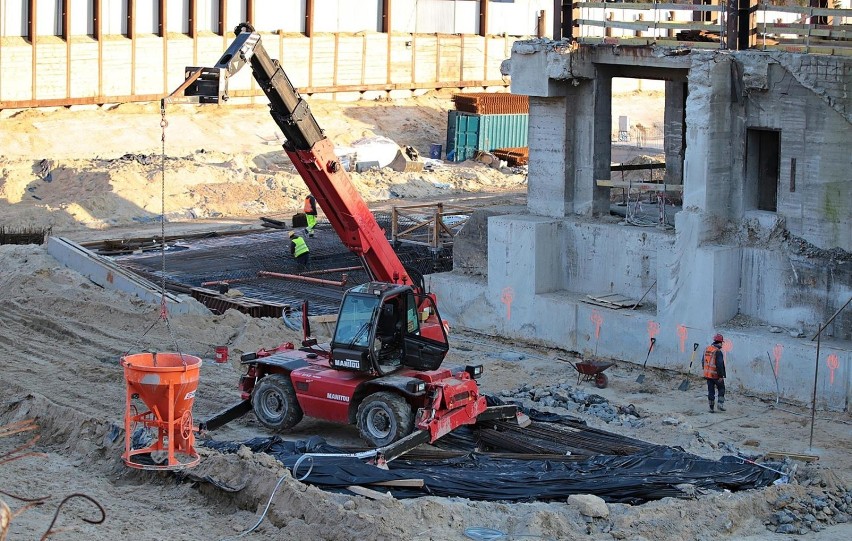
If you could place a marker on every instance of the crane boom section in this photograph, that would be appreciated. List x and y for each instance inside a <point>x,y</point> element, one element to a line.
<point>313,155</point>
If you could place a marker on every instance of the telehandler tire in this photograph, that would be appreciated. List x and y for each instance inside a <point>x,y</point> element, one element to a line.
<point>383,418</point>
<point>275,404</point>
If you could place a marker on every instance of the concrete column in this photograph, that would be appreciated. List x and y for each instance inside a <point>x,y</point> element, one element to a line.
<point>550,189</point>
<point>592,112</point>
<point>707,160</point>
<point>524,256</point>
<point>673,132</point>
<point>602,150</point>
<point>699,282</point>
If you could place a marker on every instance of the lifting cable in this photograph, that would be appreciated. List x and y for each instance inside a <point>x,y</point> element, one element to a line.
<point>164,311</point>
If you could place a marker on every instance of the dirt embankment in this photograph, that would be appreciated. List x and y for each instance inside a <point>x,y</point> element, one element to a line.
<point>221,163</point>
<point>61,340</point>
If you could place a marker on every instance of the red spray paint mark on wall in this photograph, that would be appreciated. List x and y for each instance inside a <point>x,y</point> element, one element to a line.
<point>506,298</point>
<point>833,362</point>
<point>653,329</point>
<point>598,321</point>
<point>682,335</point>
<point>777,351</point>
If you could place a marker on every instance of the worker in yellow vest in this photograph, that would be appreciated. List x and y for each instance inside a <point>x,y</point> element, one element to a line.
<point>714,372</point>
<point>299,249</point>
<point>310,214</point>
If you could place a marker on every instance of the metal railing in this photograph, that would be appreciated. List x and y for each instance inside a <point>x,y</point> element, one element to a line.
<point>763,26</point>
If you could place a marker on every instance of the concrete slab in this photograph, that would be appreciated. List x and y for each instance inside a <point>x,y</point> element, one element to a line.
<point>108,275</point>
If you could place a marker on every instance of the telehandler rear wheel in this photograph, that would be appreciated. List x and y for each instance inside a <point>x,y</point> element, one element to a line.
<point>384,418</point>
<point>275,404</point>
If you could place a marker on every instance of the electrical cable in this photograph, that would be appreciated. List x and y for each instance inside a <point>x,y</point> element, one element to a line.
<point>262,515</point>
<point>489,534</point>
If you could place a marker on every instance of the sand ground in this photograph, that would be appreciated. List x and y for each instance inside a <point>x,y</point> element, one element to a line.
<point>61,338</point>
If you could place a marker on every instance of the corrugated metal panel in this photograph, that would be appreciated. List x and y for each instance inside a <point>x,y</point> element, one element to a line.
<point>492,103</point>
<point>467,133</point>
<point>499,131</point>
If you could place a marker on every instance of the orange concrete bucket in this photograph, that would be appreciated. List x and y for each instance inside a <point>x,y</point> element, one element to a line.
<point>166,384</point>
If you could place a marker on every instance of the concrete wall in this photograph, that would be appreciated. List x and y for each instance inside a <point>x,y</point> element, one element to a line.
<point>814,123</point>
<point>725,268</point>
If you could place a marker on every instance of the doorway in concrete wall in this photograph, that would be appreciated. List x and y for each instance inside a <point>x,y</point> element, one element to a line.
<point>638,141</point>
<point>763,162</point>
<point>638,107</point>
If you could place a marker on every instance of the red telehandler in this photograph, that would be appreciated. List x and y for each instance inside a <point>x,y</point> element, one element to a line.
<point>382,369</point>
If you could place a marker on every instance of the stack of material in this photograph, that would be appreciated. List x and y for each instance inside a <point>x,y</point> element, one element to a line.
<point>23,235</point>
<point>514,156</point>
<point>484,122</point>
<point>490,103</point>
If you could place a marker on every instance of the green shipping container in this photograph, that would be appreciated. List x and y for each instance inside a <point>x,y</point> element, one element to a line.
<point>467,133</point>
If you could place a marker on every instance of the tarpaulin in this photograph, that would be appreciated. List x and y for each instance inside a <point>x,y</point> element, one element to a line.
<point>650,474</point>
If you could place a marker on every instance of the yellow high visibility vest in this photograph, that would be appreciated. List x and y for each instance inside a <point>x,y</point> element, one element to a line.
<point>301,246</point>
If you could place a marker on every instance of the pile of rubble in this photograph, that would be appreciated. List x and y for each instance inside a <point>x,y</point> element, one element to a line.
<point>565,396</point>
<point>810,513</point>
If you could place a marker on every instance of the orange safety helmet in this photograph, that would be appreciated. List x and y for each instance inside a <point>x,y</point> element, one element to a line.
<point>718,338</point>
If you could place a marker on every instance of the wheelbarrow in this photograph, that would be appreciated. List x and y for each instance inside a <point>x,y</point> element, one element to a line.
<point>592,371</point>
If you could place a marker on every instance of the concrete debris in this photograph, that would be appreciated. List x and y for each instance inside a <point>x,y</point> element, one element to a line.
<point>565,396</point>
<point>811,512</point>
<point>589,505</point>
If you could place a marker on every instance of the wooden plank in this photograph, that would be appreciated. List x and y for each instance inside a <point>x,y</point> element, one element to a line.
<point>410,483</point>
<point>647,26</point>
<point>642,186</point>
<point>611,300</point>
<point>649,7</point>
<point>843,32</point>
<point>368,493</point>
<point>647,41</point>
<point>780,455</point>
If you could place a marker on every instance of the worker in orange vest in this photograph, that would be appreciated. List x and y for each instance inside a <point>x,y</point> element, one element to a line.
<point>310,214</point>
<point>714,372</point>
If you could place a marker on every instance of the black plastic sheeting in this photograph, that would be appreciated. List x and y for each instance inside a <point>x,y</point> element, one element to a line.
<point>651,474</point>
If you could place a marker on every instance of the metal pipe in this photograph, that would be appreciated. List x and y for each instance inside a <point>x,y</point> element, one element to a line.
<point>307,279</point>
<point>827,323</point>
<point>813,399</point>
<point>326,271</point>
<point>219,282</point>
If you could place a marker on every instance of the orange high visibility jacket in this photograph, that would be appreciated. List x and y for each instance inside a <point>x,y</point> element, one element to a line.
<point>310,205</point>
<point>710,371</point>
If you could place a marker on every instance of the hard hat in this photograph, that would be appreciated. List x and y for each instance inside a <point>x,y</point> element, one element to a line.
<point>292,234</point>
<point>718,338</point>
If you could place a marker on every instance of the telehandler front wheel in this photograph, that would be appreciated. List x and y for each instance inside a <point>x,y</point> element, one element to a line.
<point>275,404</point>
<point>384,418</point>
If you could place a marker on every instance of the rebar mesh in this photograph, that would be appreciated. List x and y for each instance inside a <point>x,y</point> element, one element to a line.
<point>238,259</point>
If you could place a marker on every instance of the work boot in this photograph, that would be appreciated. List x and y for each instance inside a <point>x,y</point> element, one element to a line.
<point>721,406</point>
<point>712,410</point>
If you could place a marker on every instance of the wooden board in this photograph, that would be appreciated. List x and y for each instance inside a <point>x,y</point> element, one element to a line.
<point>611,300</point>
<point>643,186</point>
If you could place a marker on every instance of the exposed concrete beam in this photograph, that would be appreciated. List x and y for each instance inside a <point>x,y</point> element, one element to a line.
<point>108,275</point>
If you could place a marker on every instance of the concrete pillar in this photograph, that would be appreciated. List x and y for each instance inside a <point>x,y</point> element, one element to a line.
<point>707,160</point>
<point>699,282</point>
<point>550,189</point>
<point>570,148</point>
<point>592,118</point>
<point>673,131</point>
